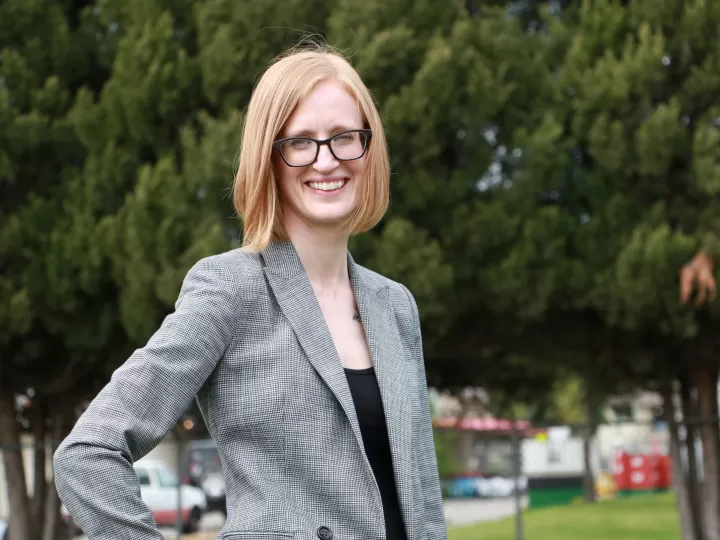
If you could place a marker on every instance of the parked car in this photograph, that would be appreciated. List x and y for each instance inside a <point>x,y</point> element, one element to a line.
<point>204,470</point>
<point>159,491</point>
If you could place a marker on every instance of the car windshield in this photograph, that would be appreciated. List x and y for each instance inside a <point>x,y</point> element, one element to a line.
<point>166,478</point>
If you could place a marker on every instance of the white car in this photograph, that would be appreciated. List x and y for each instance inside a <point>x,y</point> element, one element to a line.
<point>159,491</point>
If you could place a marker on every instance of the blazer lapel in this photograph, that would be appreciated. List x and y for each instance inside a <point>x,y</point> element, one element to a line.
<point>388,358</point>
<point>298,302</point>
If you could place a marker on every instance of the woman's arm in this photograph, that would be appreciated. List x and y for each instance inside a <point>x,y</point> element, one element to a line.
<point>145,397</point>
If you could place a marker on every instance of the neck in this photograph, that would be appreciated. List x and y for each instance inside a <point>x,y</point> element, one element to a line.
<point>323,253</point>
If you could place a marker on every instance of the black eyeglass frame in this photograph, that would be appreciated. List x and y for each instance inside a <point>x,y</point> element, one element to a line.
<point>320,142</point>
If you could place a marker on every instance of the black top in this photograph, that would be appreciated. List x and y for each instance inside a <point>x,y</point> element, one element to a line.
<point>371,416</point>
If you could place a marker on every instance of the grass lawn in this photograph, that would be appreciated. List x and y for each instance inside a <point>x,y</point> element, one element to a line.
<point>650,517</point>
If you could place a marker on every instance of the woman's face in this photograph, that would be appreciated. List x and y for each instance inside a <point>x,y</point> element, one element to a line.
<point>321,193</point>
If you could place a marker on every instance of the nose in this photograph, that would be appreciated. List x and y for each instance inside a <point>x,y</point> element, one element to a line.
<point>325,162</point>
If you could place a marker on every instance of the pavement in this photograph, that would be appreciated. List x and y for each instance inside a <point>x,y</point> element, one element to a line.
<point>469,511</point>
<point>457,512</point>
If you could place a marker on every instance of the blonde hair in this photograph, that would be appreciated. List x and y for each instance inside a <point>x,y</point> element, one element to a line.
<point>286,82</point>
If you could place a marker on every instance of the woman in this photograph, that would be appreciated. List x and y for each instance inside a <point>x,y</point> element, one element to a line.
<point>307,367</point>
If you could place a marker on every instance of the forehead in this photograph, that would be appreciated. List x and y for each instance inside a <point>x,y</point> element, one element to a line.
<point>328,107</point>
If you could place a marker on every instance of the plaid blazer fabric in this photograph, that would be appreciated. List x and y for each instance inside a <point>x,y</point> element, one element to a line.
<point>248,340</point>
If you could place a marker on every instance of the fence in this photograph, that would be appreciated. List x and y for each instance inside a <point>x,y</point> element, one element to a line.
<point>487,474</point>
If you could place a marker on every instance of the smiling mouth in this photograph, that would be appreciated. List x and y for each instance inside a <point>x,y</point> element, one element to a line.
<point>328,187</point>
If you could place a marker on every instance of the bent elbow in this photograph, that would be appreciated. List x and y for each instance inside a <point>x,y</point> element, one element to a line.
<point>64,457</point>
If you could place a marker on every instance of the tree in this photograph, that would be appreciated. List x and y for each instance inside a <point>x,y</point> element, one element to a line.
<point>562,182</point>
<point>552,173</point>
<point>54,313</point>
<point>638,91</point>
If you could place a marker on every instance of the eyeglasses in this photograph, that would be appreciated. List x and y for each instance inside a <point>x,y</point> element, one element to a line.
<point>344,146</point>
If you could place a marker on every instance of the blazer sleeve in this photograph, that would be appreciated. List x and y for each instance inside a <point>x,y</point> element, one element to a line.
<point>93,466</point>
<point>434,515</point>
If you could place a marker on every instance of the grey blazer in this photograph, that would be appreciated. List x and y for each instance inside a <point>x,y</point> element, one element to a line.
<point>248,339</point>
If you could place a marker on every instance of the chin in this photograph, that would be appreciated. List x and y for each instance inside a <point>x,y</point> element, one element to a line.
<point>329,214</point>
<point>328,221</point>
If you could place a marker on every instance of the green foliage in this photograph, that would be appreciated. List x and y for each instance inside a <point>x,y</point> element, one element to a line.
<point>448,463</point>
<point>559,174</point>
<point>706,152</point>
<point>49,265</point>
<point>568,401</point>
<point>646,140</point>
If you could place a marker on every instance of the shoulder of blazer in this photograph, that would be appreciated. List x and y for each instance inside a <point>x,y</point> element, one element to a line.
<point>239,270</point>
<point>399,297</point>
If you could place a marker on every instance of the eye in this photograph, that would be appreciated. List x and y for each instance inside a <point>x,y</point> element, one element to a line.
<point>345,138</point>
<point>299,144</point>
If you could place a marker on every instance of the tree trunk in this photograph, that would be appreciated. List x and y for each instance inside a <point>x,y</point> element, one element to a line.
<point>20,526</point>
<point>589,495</point>
<point>678,477</point>
<point>689,414</point>
<point>60,429</point>
<point>706,384</point>
<point>588,476</point>
<point>39,493</point>
<point>51,523</point>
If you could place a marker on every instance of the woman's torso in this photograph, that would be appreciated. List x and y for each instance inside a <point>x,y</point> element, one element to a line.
<point>281,411</point>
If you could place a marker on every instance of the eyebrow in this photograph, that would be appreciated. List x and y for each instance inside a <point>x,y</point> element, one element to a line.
<point>337,128</point>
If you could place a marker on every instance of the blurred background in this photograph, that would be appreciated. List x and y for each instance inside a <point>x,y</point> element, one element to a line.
<point>555,211</point>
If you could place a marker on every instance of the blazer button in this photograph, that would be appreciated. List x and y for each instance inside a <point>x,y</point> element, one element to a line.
<point>324,533</point>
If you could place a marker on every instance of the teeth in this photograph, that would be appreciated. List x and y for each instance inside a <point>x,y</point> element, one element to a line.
<point>327,186</point>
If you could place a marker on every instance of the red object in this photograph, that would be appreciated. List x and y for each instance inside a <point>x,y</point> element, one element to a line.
<point>621,470</point>
<point>484,424</point>
<point>168,518</point>
<point>641,471</point>
<point>664,472</point>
